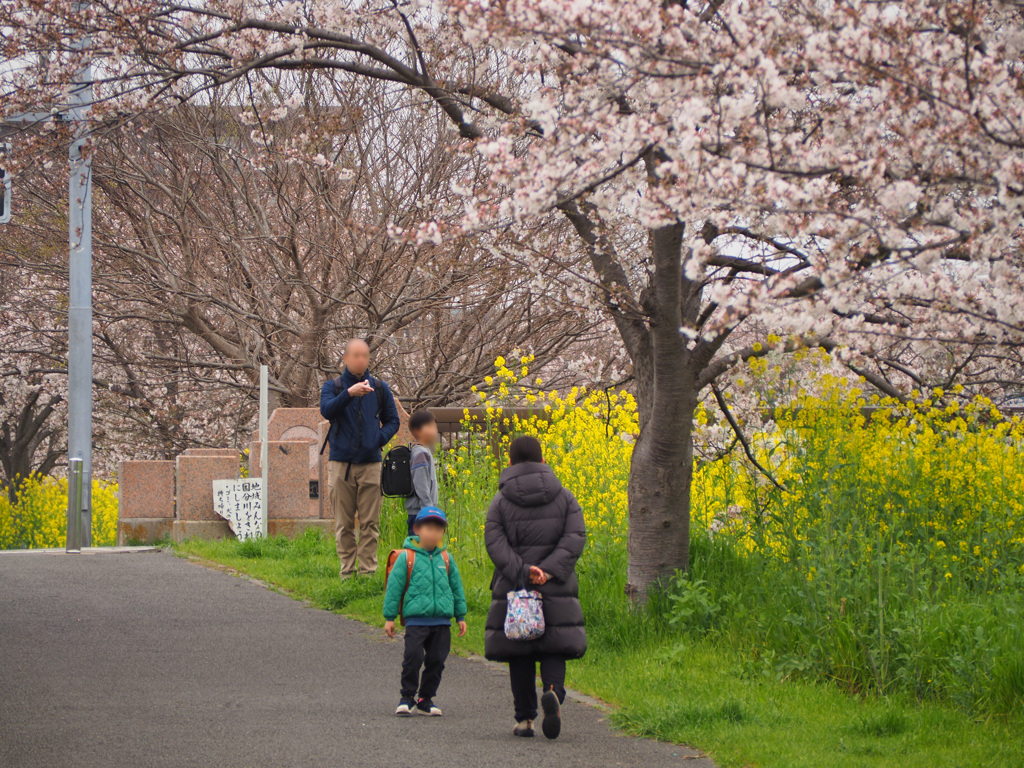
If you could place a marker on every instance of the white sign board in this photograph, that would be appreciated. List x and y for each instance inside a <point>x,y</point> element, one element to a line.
<point>239,502</point>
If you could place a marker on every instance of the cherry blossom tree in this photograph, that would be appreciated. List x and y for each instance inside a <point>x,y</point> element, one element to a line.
<point>849,173</point>
<point>216,234</point>
<point>214,254</point>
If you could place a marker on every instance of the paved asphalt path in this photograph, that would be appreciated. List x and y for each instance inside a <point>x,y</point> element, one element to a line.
<point>147,659</point>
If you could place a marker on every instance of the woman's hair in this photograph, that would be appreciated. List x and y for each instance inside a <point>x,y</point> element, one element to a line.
<point>420,419</point>
<point>524,449</point>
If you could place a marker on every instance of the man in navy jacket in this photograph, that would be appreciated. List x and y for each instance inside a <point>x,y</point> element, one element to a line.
<point>363,417</point>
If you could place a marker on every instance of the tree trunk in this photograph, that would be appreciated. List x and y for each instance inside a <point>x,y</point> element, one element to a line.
<point>659,493</point>
<point>662,465</point>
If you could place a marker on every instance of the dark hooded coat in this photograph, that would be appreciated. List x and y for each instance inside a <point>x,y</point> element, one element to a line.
<point>533,520</point>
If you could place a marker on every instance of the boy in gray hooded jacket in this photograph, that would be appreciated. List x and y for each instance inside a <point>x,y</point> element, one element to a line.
<point>423,427</point>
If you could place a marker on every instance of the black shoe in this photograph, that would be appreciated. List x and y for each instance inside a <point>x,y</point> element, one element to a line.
<point>552,724</point>
<point>428,707</point>
<point>523,729</point>
<point>406,708</point>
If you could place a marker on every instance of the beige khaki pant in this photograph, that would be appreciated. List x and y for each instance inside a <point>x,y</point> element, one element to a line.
<point>357,496</point>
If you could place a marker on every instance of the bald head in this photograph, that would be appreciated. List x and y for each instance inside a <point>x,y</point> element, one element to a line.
<point>357,356</point>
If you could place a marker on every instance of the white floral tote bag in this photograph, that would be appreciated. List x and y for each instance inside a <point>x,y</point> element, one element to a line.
<point>524,619</point>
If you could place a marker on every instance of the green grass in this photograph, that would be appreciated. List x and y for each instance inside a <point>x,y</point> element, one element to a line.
<point>691,687</point>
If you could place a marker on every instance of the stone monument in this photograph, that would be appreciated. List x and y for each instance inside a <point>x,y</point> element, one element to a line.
<point>176,498</point>
<point>145,501</point>
<point>194,513</point>
<point>294,426</point>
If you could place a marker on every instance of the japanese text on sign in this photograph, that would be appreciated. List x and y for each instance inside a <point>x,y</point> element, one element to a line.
<point>239,502</point>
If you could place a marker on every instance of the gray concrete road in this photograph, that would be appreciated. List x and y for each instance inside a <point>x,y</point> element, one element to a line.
<point>149,660</point>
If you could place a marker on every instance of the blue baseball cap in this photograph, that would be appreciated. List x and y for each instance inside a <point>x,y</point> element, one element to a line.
<point>431,513</point>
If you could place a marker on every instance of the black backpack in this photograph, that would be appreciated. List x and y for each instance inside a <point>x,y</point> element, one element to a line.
<point>396,474</point>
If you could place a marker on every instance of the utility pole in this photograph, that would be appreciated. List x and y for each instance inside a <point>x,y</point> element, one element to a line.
<point>264,414</point>
<point>80,306</point>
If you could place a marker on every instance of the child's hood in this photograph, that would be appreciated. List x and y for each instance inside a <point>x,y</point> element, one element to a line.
<point>413,543</point>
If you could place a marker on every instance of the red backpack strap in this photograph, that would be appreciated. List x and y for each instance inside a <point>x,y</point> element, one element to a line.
<point>447,561</point>
<point>410,558</point>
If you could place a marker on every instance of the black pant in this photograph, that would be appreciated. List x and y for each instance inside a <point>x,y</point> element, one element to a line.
<point>427,647</point>
<point>522,673</point>
<point>412,519</point>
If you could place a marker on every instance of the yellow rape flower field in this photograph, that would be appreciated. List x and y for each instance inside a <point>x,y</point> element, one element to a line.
<point>890,560</point>
<point>39,516</point>
<point>946,477</point>
<point>587,438</point>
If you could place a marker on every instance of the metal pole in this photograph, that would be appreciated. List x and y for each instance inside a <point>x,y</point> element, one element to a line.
<point>264,495</point>
<point>74,537</point>
<point>80,288</point>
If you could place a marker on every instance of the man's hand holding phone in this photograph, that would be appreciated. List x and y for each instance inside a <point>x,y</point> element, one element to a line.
<point>360,388</point>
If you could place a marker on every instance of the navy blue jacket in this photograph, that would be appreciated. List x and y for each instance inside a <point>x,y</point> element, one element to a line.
<point>356,434</point>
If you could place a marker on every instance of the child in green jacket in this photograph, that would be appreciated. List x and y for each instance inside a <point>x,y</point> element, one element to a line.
<point>432,597</point>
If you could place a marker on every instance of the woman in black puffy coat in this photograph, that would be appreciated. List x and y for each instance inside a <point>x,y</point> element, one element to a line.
<point>535,534</point>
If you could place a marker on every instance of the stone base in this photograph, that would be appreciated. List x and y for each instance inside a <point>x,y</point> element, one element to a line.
<point>295,527</point>
<point>180,530</point>
<point>143,530</point>
<point>200,529</point>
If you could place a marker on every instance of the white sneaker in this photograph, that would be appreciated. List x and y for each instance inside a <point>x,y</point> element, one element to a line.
<point>406,708</point>
<point>428,707</point>
<point>523,728</point>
